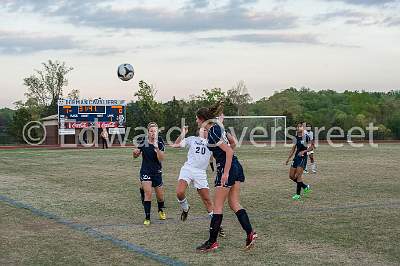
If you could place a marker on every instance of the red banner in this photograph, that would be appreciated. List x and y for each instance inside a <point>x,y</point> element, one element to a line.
<point>90,124</point>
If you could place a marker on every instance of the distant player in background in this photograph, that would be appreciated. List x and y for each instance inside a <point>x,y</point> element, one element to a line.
<point>310,134</point>
<point>299,150</point>
<point>152,148</point>
<point>104,137</point>
<point>227,182</point>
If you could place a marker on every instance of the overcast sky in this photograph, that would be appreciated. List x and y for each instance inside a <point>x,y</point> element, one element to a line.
<point>185,46</point>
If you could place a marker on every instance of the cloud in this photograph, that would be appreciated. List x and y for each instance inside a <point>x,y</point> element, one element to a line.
<point>392,21</point>
<point>358,18</point>
<point>365,2</point>
<point>344,13</point>
<point>22,43</point>
<point>236,15</point>
<point>267,38</point>
<point>198,3</point>
<point>27,43</point>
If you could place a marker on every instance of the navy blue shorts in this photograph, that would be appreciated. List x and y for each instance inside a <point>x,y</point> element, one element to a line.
<point>300,161</point>
<point>235,174</point>
<point>156,180</point>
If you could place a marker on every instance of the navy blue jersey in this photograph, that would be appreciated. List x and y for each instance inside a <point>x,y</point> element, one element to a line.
<point>150,163</point>
<point>216,136</point>
<point>301,143</point>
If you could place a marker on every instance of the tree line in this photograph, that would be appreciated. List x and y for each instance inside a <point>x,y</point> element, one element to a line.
<point>324,108</point>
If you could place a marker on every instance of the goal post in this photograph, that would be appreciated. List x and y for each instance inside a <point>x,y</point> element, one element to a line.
<point>257,129</point>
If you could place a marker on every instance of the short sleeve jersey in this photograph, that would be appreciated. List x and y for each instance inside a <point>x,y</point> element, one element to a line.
<point>198,155</point>
<point>216,136</point>
<point>150,163</point>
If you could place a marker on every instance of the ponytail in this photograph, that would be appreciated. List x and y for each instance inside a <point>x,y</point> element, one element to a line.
<point>211,112</point>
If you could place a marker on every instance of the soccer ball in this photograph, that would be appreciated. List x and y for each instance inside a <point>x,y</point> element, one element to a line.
<point>125,72</point>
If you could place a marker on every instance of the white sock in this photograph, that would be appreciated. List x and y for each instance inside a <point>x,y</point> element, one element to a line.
<point>314,167</point>
<point>210,214</point>
<point>184,204</point>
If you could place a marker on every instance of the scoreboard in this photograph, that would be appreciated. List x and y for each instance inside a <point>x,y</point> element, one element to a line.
<point>91,113</point>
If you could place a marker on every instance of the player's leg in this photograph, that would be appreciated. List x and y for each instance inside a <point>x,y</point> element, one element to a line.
<point>146,185</point>
<point>221,193</point>
<point>292,173</point>
<point>141,190</point>
<point>292,176</point>
<point>300,181</point>
<point>212,164</point>
<point>180,194</point>
<point>241,214</point>
<point>313,163</point>
<point>159,190</point>
<point>201,184</point>
<point>204,194</point>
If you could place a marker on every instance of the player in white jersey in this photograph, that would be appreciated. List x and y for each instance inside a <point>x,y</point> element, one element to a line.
<point>194,170</point>
<point>310,154</point>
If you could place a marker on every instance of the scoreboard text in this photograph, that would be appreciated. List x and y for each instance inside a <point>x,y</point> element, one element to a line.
<point>84,113</point>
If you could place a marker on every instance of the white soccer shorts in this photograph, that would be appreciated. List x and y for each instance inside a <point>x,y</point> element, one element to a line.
<point>197,176</point>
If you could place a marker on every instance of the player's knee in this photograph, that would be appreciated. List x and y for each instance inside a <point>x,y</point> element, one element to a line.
<point>218,210</point>
<point>180,194</point>
<point>207,202</point>
<point>147,195</point>
<point>234,205</point>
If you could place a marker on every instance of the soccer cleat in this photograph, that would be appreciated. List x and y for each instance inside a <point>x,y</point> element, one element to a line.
<point>296,197</point>
<point>221,232</point>
<point>307,190</point>
<point>305,171</point>
<point>146,222</point>
<point>184,215</point>
<point>207,246</point>
<point>162,215</point>
<point>250,240</point>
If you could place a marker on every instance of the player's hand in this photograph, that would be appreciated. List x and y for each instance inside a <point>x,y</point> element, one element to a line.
<point>224,179</point>
<point>174,145</point>
<point>136,153</point>
<point>185,130</point>
<point>156,142</point>
<point>302,153</point>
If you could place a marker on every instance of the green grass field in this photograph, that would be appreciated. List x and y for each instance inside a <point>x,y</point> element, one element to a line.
<point>351,217</point>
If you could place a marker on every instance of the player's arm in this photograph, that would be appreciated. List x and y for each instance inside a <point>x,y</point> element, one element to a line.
<point>291,153</point>
<point>159,149</point>
<point>178,141</point>
<point>160,154</point>
<point>136,149</point>
<point>232,140</point>
<point>136,153</point>
<point>228,162</point>
<point>308,149</point>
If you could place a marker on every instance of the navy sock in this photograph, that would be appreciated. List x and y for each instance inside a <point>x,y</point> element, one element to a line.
<point>303,185</point>
<point>147,208</point>
<point>298,189</point>
<point>244,221</point>
<point>160,205</point>
<point>215,225</point>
